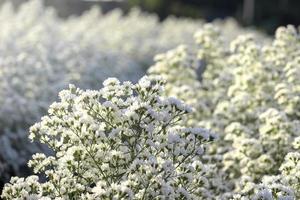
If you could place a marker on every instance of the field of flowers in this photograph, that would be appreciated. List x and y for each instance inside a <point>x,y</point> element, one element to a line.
<point>215,115</point>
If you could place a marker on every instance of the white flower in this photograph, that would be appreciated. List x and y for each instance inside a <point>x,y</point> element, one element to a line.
<point>130,153</point>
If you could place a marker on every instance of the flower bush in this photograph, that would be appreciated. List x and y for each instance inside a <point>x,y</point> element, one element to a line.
<point>259,92</point>
<point>40,54</point>
<point>132,141</point>
<point>250,95</point>
<point>124,141</point>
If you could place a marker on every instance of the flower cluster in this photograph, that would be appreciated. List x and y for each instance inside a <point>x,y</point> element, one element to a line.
<point>40,54</point>
<point>124,141</point>
<point>200,68</point>
<point>135,141</point>
<point>261,102</point>
<point>250,94</point>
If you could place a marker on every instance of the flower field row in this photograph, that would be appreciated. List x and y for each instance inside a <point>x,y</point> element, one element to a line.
<point>40,54</point>
<point>217,117</point>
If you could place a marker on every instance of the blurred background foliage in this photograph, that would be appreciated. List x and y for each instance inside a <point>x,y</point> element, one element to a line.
<point>262,14</point>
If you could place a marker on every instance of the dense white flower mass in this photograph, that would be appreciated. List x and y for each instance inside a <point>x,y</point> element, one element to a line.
<point>124,141</point>
<point>140,141</point>
<point>40,54</point>
<point>249,94</point>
